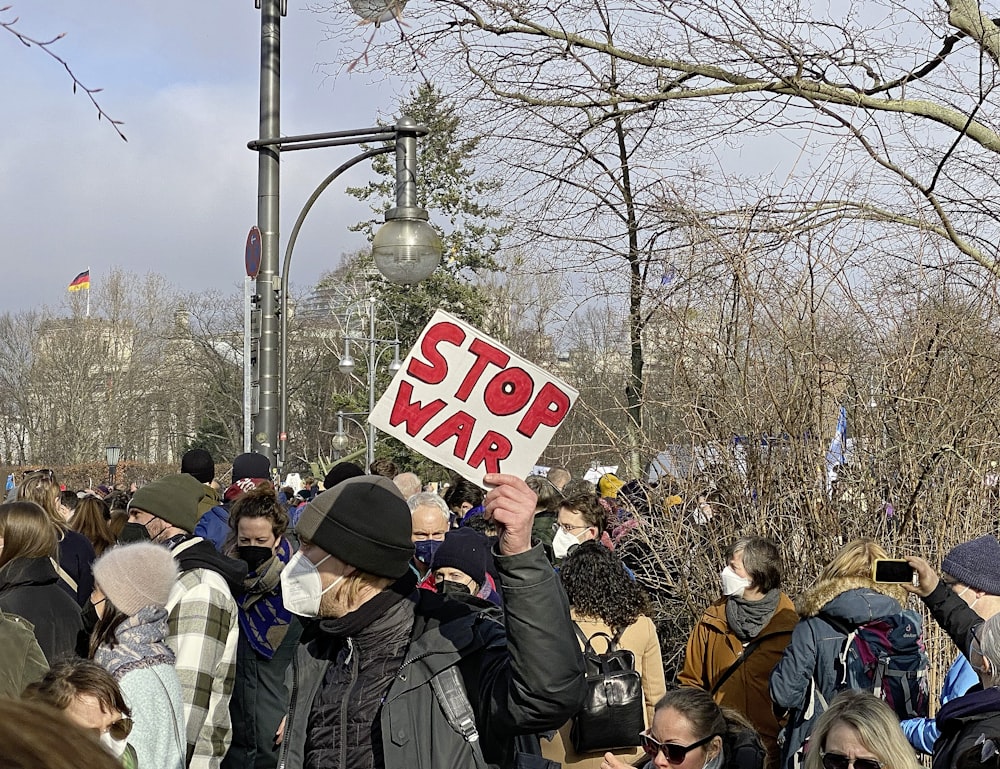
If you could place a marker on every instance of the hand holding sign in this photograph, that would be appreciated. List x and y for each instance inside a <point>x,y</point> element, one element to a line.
<point>467,402</point>
<point>510,504</point>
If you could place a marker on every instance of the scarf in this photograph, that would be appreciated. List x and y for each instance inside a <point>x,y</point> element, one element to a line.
<point>748,618</point>
<point>138,644</point>
<point>264,619</point>
<point>352,623</point>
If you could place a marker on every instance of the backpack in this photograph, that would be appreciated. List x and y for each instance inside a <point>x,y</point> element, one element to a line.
<point>613,711</point>
<point>744,750</point>
<point>886,656</point>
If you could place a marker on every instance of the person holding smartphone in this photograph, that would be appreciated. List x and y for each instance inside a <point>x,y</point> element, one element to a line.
<point>967,722</point>
<point>972,571</point>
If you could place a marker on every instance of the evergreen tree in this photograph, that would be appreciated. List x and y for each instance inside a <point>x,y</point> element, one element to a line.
<point>471,229</point>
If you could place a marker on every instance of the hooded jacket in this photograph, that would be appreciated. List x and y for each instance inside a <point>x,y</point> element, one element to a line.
<point>521,677</point>
<point>204,634</point>
<point>713,648</point>
<point>811,658</point>
<point>21,659</point>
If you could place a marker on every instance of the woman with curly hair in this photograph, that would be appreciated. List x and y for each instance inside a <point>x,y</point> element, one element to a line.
<point>604,599</point>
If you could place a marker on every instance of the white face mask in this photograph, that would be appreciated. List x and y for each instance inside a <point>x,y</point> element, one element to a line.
<point>115,747</point>
<point>732,583</point>
<point>302,586</point>
<point>562,542</point>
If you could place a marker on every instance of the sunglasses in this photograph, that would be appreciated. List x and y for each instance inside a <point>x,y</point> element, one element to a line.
<point>675,753</point>
<point>838,761</point>
<point>121,728</point>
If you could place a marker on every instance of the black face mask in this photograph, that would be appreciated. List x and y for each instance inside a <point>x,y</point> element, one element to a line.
<point>449,587</point>
<point>254,556</point>
<point>134,532</point>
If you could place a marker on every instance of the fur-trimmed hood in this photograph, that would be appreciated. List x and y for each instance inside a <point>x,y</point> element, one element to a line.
<point>856,599</point>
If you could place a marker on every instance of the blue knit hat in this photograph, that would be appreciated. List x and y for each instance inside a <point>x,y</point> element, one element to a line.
<point>976,564</point>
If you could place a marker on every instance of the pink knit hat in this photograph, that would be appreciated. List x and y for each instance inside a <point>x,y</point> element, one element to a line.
<point>136,575</point>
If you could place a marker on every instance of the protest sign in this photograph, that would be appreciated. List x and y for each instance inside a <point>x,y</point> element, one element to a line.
<point>464,400</point>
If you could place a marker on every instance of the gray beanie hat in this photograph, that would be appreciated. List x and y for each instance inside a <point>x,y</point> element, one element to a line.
<point>135,576</point>
<point>976,564</point>
<point>363,522</point>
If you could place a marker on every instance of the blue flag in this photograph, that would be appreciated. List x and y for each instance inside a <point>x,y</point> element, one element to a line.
<point>838,446</point>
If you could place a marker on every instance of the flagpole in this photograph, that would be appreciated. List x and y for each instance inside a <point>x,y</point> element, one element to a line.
<point>88,290</point>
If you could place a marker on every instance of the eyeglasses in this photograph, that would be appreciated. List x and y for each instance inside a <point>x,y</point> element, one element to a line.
<point>675,753</point>
<point>121,728</point>
<point>44,472</point>
<point>839,761</point>
<point>568,528</point>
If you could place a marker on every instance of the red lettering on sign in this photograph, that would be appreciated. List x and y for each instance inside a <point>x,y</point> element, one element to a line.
<point>458,426</point>
<point>491,449</point>
<point>436,368</point>
<point>508,392</point>
<point>414,414</point>
<point>548,408</point>
<point>485,355</point>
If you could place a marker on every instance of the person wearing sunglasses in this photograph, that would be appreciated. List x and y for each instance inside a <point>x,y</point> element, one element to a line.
<point>89,697</point>
<point>690,731</point>
<point>859,731</point>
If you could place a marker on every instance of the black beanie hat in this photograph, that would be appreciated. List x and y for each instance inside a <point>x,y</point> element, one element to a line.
<point>199,463</point>
<point>341,472</point>
<point>251,466</point>
<point>363,522</point>
<point>466,550</point>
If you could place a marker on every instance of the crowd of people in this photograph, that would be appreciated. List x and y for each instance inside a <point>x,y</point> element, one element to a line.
<point>373,621</point>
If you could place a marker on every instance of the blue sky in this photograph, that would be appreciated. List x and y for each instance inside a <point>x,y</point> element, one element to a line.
<point>179,197</point>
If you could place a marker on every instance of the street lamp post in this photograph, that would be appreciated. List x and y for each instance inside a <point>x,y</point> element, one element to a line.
<point>112,454</point>
<point>406,248</point>
<point>373,342</point>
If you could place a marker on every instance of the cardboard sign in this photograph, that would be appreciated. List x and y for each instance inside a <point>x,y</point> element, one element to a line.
<point>467,402</point>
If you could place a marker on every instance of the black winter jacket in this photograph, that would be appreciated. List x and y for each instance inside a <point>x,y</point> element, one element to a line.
<point>29,588</point>
<point>524,678</point>
<point>965,718</point>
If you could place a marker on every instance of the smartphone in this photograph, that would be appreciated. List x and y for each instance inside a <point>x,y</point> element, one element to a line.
<point>892,570</point>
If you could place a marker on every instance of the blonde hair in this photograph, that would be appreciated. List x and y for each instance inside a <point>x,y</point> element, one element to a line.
<point>41,488</point>
<point>855,559</point>
<point>876,725</point>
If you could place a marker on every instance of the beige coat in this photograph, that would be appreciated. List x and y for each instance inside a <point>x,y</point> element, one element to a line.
<point>640,639</point>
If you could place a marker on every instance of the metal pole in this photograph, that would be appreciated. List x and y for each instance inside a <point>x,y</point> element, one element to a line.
<point>371,380</point>
<point>265,428</point>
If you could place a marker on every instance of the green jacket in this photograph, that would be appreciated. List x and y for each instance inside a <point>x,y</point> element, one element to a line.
<point>21,659</point>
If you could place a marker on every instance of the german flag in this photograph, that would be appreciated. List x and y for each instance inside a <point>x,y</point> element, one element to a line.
<point>81,281</point>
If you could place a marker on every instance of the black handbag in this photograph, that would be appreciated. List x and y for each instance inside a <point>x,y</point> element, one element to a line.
<point>613,713</point>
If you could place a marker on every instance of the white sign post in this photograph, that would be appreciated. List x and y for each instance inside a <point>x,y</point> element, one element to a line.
<point>465,401</point>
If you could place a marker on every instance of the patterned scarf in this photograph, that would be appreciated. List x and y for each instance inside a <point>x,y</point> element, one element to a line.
<point>263,617</point>
<point>138,644</point>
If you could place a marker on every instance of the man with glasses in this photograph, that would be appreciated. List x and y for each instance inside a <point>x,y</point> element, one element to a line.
<point>965,602</point>
<point>580,518</point>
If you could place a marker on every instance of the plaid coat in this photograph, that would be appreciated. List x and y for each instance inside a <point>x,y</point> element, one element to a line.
<point>204,634</point>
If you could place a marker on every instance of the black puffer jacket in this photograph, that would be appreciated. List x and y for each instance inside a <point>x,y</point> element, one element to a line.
<point>524,679</point>
<point>29,588</point>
